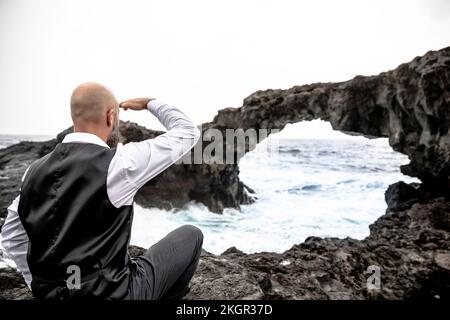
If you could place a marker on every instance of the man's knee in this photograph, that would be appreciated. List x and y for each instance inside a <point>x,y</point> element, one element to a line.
<point>193,232</point>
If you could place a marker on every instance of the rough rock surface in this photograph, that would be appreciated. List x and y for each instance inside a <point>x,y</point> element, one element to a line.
<point>410,243</point>
<point>410,105</point>
<point>14,160</point>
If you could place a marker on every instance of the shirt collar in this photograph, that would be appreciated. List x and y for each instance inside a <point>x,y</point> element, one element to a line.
<point>84,137</point>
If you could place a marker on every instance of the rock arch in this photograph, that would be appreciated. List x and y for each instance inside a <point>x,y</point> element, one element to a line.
<point>410,105</point>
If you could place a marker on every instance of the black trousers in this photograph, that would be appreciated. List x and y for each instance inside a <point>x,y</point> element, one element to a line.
<point>166,268</point>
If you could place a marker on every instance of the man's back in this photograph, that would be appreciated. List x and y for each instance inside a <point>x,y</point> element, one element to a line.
<point>66,191</point>
<point>74,211</point>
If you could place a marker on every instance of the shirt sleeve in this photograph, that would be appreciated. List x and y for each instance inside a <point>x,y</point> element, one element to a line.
<point>14,240</point>
<point>136,163</point>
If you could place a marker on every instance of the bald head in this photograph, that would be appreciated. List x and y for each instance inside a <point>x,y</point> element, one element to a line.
<point>90,102</point>
<point>95,110</point>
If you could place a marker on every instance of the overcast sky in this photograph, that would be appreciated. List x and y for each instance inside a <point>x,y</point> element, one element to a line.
<point>198,55</point>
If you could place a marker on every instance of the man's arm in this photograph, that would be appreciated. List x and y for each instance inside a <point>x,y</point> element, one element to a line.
<point>137,162</point>
<point>14,239</point>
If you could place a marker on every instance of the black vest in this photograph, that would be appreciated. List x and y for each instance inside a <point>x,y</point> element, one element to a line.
<point>70,221</point>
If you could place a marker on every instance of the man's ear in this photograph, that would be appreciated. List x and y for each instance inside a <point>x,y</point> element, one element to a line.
<point>110,117</point>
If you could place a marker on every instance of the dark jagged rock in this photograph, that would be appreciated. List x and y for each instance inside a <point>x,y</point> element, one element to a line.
<point>410,243</point>
<point>14,160</point>
<point>232,250</point>
<point>401,196</point>
<point>12,285</point>
<point>410,105</point>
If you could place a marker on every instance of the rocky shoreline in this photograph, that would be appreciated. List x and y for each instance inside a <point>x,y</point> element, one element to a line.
<point>410,243</point>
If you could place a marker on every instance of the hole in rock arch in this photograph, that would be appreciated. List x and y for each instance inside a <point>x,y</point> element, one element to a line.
<point>309,181</point>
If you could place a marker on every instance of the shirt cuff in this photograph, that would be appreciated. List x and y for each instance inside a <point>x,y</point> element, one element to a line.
<point>154,104</point>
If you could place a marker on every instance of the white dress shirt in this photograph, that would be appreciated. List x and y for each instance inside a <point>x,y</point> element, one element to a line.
<point>132,166</point>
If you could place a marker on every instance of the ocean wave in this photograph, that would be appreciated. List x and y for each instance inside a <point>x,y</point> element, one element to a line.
<point>304,188</point>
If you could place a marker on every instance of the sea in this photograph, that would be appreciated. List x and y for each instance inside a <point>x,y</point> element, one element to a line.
<point>303,187</point>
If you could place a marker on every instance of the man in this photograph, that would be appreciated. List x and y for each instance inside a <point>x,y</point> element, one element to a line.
<point>75,208</point>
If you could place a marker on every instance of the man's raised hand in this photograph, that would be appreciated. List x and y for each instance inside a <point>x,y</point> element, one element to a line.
<point>135,104</point>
